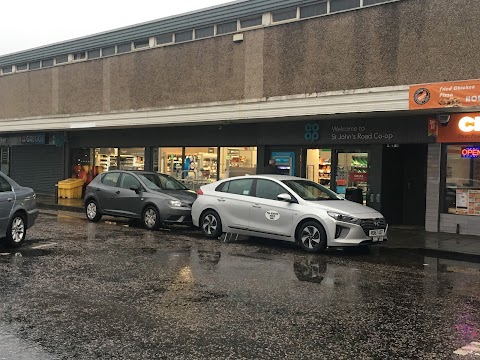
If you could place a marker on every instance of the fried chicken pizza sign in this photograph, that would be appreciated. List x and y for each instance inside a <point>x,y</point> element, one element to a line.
<point>445,95</point>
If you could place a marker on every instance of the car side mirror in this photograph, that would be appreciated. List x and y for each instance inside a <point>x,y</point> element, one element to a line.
<point>285,197</point>
<point>135,188</point>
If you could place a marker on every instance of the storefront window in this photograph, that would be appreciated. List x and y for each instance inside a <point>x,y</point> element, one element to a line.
<point>132,158</point>
<point>106,158</point>
<point>237,161</point>
<point>463,179</point>
<point>352,172</point>
<point>201,164</point>
<point>168,161</point>
<point>319,166</point>
<point>83,166</point>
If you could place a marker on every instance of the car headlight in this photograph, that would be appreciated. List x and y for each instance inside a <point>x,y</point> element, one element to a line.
<point>343,217</point>
<point>175,203</point>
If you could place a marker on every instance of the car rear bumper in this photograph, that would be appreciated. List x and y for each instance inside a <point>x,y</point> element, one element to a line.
<point>31,217</point>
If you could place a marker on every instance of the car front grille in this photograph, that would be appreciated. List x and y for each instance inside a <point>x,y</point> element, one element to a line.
<point>373,224</point>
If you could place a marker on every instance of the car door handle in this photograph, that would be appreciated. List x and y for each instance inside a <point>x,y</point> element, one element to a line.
<point>256,206</point>
<point>117,192</point>
<point>97,189</point>
<point>10,199</point>
<point>221,200</point>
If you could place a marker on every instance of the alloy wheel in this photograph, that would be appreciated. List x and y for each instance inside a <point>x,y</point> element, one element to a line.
<point>18,229</point>
<point>91,210</point>
<point>310,237</point>
<point>150,218</point>
<point>209,224</point>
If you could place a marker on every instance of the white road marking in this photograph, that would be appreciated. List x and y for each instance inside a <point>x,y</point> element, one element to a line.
<point>43,246</point>
<point>473,348</point>
<point>5,254</point>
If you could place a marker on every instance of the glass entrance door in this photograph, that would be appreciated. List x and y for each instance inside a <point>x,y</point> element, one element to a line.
<point>351,175</point>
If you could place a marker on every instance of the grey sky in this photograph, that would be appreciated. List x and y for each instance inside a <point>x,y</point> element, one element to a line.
<point>32,23</point>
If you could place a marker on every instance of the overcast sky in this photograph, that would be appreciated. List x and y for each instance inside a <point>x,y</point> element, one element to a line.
<point>32,23</point>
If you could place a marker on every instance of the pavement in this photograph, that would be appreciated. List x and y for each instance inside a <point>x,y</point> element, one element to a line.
<point>409,239</point>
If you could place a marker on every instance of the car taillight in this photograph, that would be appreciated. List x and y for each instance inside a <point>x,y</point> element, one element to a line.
<point>199,192</point>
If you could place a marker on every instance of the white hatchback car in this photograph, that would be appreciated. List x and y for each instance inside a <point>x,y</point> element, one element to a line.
<point>285,208</point>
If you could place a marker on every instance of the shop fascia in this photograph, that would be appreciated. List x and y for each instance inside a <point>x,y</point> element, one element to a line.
<point>460,128</point>
<point>468,124</point>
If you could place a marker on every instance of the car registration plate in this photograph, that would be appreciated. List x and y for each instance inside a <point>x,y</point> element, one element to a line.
<point>377,233</point>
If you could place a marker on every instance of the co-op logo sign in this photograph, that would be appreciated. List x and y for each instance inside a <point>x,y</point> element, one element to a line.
<point>312,132</point>
<point>468,124</point>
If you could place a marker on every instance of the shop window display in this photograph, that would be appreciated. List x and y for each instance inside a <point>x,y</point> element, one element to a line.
<point>132,158</point>
<point>352,172</point>
<point>237,161</point>
<point>462,195</point>
<point>201,163</point>
<point>168,161</point>
<point>106,158</point>
<point>319,166</point>
<point>83,166</point>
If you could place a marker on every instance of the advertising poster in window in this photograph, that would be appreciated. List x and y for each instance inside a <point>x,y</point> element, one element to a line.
<point>462,201</point>
<point>468,202</point>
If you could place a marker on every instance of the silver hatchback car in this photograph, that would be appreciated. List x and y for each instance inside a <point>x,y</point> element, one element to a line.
<point>286,208</point>
<point>18,211</point>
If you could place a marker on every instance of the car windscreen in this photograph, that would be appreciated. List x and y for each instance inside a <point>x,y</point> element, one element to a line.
<point>161,182</point>
<point>311,191</point>
<point>150,181</point>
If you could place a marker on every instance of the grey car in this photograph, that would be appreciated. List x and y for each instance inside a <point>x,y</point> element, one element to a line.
<point>18,211</point>
<point>152,197</point>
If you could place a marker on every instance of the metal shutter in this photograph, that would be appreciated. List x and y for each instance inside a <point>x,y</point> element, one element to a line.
<point>39,167</point>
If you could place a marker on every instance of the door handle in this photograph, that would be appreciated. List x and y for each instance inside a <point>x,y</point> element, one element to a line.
<point>117,192</point>
<point>221,200</point>
<point>10,199</point>
<point>256,206</point>
<point>97,189</point>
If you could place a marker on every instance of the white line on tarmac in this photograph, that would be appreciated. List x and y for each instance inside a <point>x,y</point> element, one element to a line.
<point>43,246</point>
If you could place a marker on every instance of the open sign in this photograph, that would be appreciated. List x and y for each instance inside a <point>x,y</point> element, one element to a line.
<point>470,152</point>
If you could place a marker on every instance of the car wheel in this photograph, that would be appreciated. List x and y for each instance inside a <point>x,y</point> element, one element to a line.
<point>311,237</point>
<point>16,231</point>
<point>211,224</point>
<point>92,212</point>
<point>151,218</point>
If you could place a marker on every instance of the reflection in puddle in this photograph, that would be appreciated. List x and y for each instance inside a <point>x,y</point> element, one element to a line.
<point>29,253</point>
<point>310,269</point>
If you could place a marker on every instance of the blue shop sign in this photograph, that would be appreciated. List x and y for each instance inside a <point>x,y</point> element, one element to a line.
<point>34,139</point>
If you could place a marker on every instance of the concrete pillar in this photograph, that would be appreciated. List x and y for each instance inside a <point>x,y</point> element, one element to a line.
<point>433,187</point>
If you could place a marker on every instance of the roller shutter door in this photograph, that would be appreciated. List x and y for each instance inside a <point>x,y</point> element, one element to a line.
<point>39,167</point>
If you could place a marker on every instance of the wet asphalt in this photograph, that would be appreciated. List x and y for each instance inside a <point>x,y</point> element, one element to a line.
<point>112,290</point>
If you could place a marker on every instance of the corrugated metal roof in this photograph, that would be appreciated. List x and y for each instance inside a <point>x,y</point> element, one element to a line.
<point>209,16</point>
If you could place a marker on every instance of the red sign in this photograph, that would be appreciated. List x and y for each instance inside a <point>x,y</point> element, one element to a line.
<point>358,177</point>
<point>432,127</point>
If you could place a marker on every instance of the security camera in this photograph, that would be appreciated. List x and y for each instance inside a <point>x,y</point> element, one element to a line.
<point>443,119</point>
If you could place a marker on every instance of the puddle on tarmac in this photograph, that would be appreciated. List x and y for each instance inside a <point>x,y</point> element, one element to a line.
<point>32,252</point>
